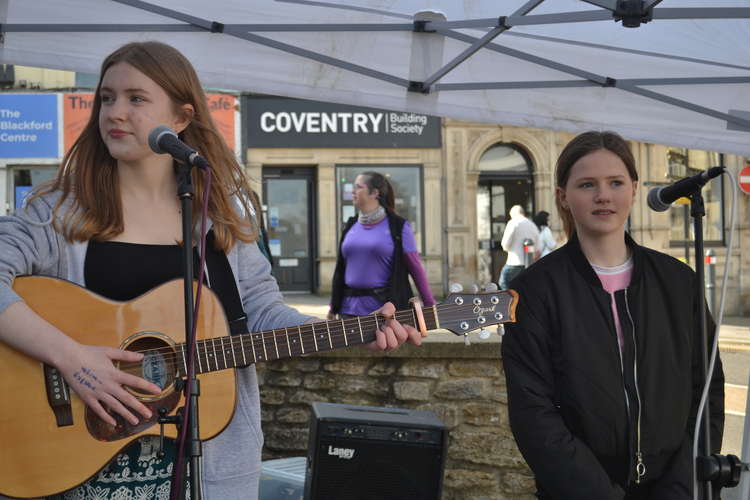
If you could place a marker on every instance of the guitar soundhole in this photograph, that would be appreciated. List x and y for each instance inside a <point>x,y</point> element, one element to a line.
<point>158,365</point>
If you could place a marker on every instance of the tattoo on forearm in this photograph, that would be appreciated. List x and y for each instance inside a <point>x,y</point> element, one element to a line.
<point>86,378</point>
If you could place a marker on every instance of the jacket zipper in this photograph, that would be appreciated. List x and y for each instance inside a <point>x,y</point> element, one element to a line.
<point>622,372</point>
<point>640,466</point>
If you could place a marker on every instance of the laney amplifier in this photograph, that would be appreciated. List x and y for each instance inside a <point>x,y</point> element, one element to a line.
<point>370,453</point>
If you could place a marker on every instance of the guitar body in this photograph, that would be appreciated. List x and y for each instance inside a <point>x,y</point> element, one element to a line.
<point>39,457</point>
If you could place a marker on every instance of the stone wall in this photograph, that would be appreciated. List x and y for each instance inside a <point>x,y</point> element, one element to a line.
<point>463,385</point>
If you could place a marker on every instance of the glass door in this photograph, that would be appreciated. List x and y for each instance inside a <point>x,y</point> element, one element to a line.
<point>494,199</point>
<point>289,211</point>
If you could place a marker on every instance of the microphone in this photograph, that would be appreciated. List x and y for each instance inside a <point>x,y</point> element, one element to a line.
<point>164,140</point>
<point>660,198</point>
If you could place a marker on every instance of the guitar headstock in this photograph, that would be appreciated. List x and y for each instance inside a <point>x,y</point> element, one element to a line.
<point>462,312</point>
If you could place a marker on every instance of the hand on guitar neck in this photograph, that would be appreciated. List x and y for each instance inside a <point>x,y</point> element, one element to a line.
<point>392,334</point>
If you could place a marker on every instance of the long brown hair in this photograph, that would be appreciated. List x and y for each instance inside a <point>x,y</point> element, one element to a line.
<point>88,173</point>
<point>376,180</point>
<point>580,146</point>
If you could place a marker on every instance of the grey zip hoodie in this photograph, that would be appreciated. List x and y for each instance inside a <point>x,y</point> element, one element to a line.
<point>29,244</point>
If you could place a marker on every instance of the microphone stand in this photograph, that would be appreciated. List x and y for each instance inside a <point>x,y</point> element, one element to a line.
<point>714,471</point>
<point>194,450</point>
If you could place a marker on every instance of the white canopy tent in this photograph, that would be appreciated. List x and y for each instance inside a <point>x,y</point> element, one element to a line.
<point>683,78</point>
<point>680,76</point>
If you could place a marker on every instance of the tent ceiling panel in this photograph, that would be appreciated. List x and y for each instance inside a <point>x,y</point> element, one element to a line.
<point>561,69</point>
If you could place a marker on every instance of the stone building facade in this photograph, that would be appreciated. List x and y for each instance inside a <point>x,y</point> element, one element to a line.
<point>453,182</point>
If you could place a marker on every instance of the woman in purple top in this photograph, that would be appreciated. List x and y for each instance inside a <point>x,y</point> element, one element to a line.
<point>376,255</point>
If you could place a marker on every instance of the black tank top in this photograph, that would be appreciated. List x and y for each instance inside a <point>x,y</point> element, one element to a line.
<point>123,271</point>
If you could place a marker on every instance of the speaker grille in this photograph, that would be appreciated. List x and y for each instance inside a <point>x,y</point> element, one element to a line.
<point>377,470</point>
<point>369,453</point>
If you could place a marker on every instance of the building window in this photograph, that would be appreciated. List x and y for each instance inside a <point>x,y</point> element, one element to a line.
<point>24,179</point>
<point>504,159</point>
<point>407,187</point>
<point>686,162</point>
<point>86,80</point>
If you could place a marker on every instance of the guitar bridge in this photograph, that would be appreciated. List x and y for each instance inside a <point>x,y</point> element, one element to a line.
<point>58,396</point>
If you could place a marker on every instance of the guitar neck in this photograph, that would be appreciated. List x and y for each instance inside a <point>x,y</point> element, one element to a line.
<point>236,351</point>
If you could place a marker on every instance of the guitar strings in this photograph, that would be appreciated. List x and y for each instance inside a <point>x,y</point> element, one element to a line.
<point>270,339</point>
<point>269,335</point>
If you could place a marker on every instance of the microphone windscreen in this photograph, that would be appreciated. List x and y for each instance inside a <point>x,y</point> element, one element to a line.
<point>654,200</point>
<point>155,136</point>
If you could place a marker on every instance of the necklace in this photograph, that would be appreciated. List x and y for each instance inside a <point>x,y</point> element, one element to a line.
<point>372,217</point>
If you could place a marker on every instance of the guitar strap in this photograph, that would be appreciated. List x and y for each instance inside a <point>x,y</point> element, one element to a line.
<point>221,280</point>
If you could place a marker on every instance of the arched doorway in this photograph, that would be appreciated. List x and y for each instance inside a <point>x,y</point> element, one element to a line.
<point>505,179</point>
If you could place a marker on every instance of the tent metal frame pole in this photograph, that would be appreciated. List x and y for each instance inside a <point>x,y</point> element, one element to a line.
<point>100,28</point>
<point>256,28</point>
<point>702,13</point>
<point>198,24</point>
<point>661,13</point>
<point>583,83</point>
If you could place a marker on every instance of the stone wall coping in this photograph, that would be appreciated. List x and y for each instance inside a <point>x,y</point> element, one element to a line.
<point>437,344</point>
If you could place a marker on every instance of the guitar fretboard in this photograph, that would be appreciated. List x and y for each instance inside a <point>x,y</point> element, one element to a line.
<point>236,351</point>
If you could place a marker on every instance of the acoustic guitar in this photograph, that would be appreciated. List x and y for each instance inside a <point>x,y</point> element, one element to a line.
<point>51,442</point>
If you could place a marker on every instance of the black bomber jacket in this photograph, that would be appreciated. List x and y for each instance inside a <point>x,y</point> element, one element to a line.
<point>584,414</point>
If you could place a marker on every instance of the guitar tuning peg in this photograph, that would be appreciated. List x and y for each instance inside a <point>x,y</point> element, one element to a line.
<point>456,288</point>
<point>501,329</point>
<point>484,334</point>
<point>474,288</point>
<point>467,342</point>
<point>490,287</point>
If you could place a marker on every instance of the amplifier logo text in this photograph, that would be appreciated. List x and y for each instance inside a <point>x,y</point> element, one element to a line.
<point>345,453</point>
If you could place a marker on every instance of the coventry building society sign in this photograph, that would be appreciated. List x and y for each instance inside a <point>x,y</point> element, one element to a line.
<point>290,123</point>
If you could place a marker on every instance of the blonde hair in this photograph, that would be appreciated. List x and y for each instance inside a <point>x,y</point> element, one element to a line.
<point>88,170</point>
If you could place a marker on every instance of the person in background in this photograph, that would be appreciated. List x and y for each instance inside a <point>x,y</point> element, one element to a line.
<point>547,242</point>
<point>603,364</point>
<point>377,253</point>
<point>111,222</point>
<point>518,230</point>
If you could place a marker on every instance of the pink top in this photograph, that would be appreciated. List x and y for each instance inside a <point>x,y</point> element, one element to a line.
<point>614,279</point>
